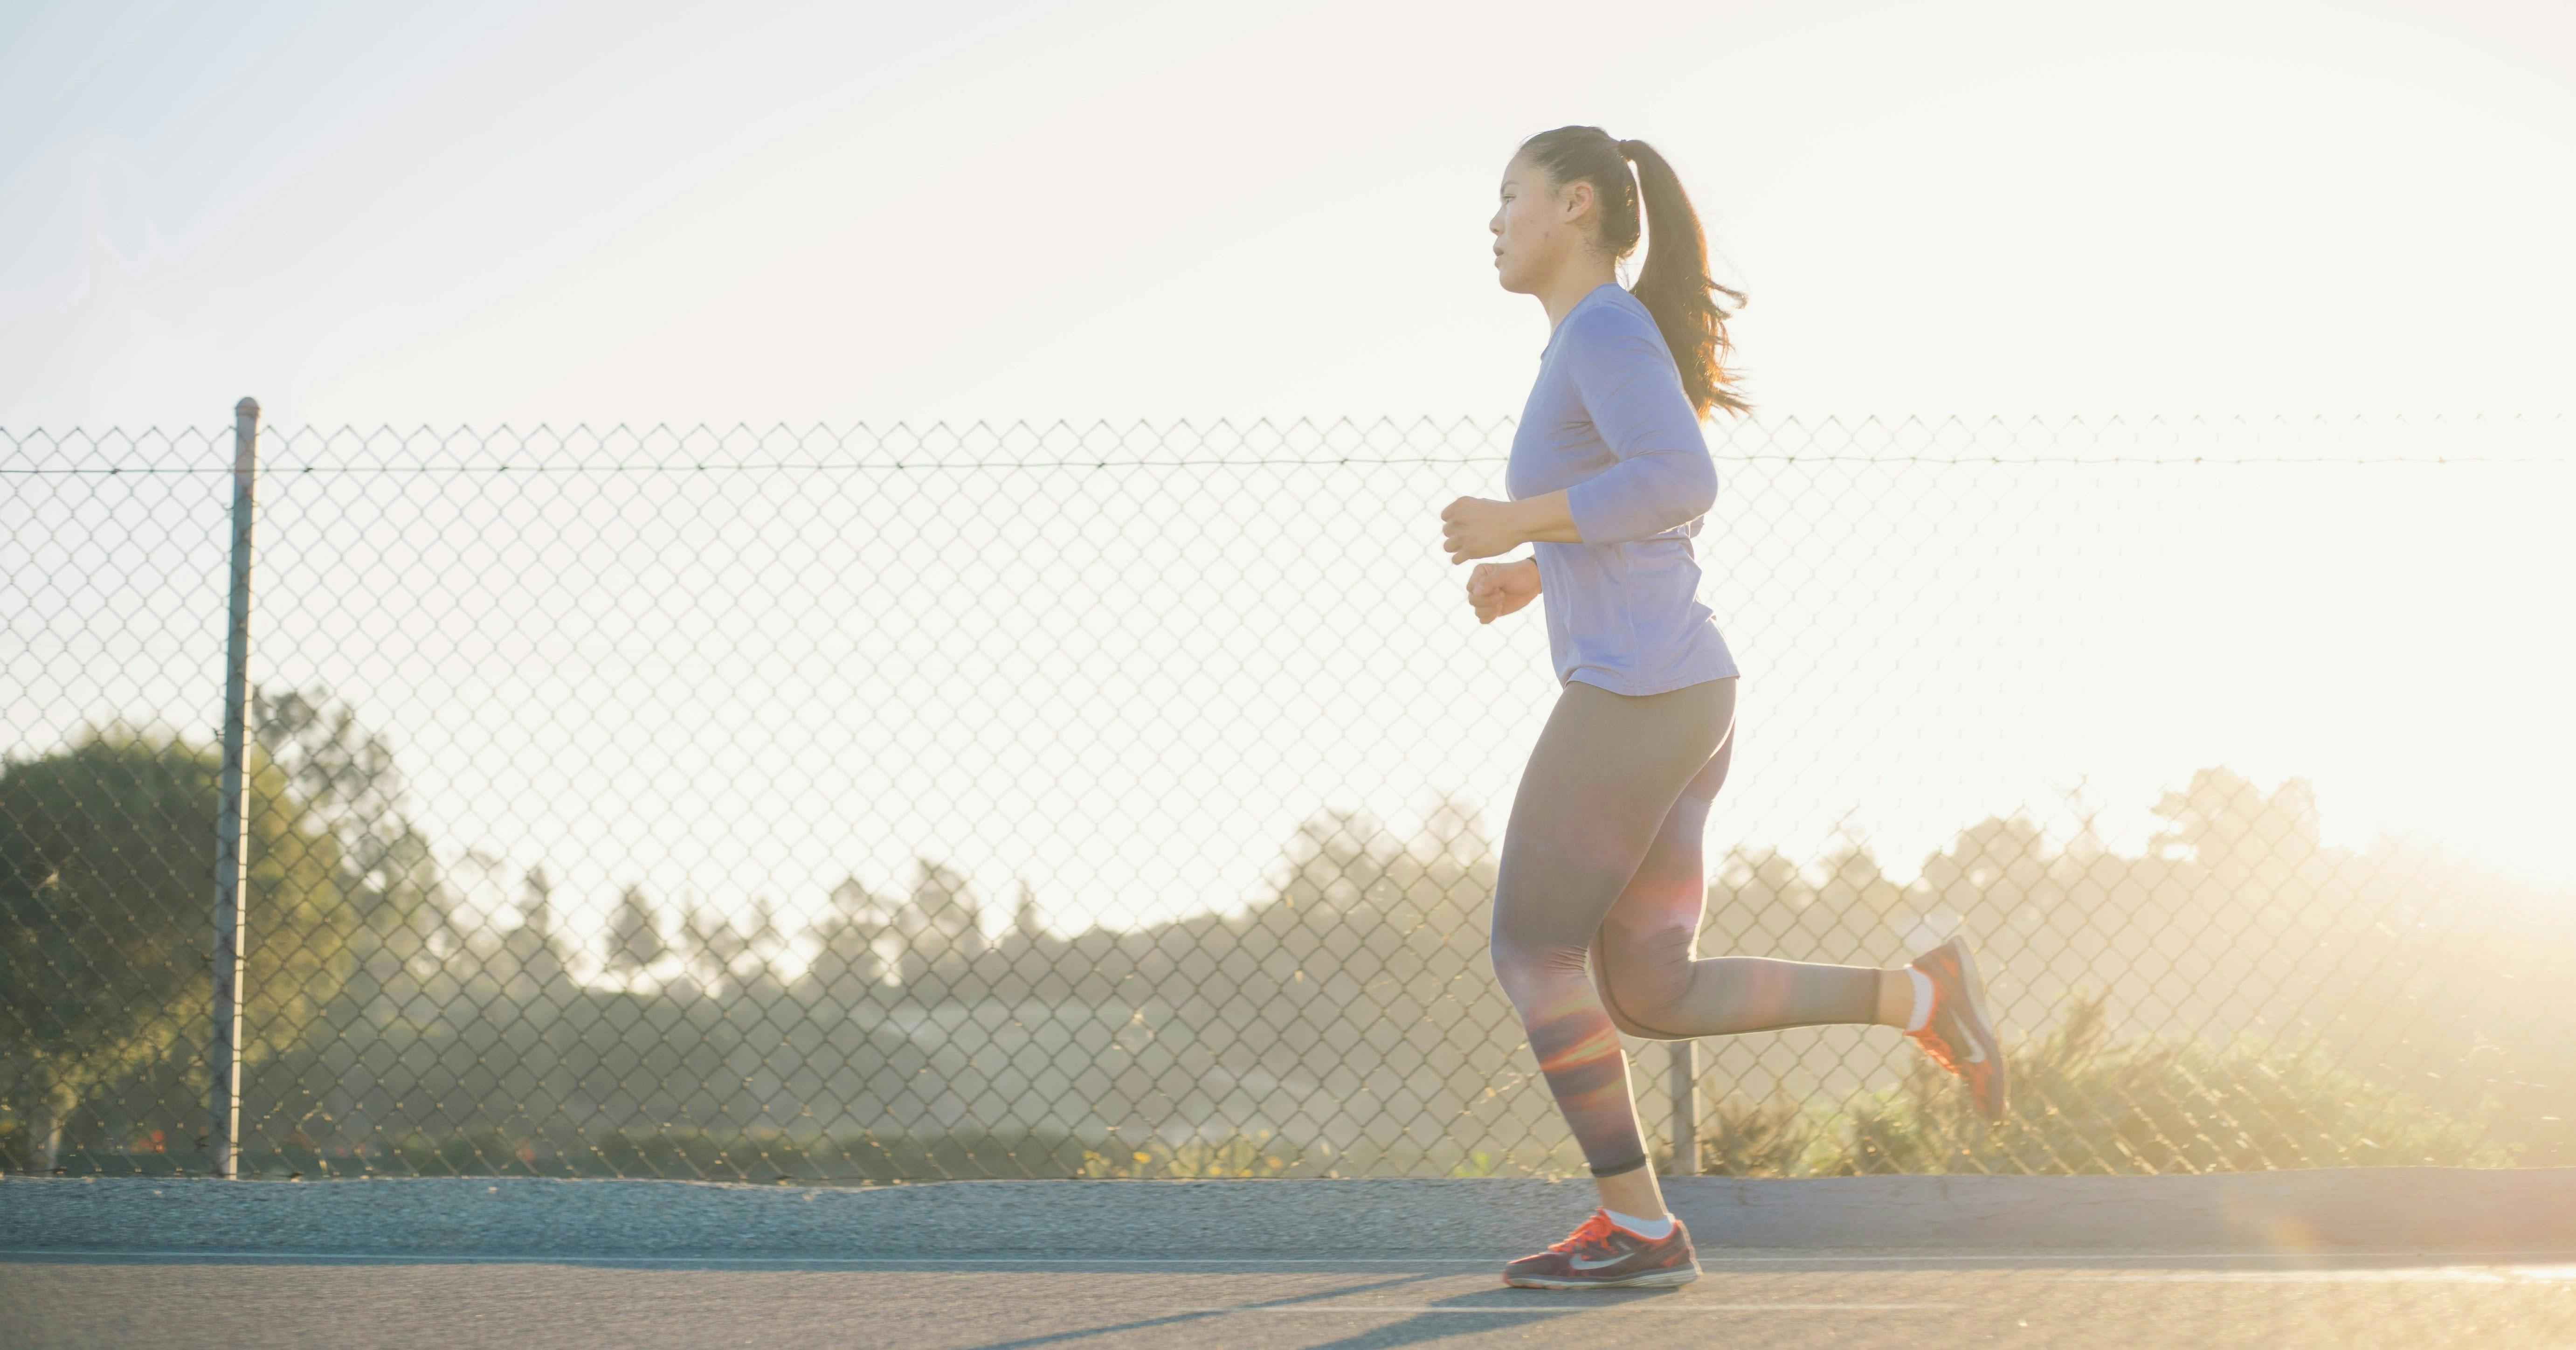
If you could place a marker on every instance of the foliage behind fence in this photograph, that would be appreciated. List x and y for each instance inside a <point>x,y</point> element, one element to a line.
<point>1060,802</point>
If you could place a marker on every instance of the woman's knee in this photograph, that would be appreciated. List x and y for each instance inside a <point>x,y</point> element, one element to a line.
<point>1643,978</point>
<point>1521,967</point>
<point>1626,1013</point>
<point>1630,1026</point>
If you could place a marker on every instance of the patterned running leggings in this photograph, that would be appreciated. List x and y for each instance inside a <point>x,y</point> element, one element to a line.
<point>1597,906</point>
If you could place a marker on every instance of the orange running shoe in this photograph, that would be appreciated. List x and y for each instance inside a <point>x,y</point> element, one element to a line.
<point>1959,1036</point>
<point>1600,1254</point>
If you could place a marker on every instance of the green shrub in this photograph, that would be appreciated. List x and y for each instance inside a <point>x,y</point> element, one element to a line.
<point>1778,1138</point>
<point>2083,1103</point>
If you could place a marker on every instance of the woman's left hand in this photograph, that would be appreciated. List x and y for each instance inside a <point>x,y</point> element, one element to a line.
<point>1474,527</point>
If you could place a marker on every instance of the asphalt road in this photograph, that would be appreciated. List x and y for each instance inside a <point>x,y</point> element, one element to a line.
<point>202,1302</point>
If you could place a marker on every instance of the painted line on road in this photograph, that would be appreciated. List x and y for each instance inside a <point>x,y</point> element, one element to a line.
<point>1158,1262</point>
<point>1705,1259</point>
<point>540,1259</point>
<point>1559,1310</point>
<point>2491,1275</point>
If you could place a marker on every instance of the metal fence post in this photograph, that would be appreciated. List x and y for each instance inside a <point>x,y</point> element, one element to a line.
<point>1685,1108</point>
<point>232,826</point>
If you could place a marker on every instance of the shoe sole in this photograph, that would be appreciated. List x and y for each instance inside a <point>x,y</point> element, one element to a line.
<point>1985,1029</point>
<point>1649,1279</point>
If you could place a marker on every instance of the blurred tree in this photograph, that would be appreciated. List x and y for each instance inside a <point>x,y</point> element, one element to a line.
<point>107,884</point>
<point>941,922</point>
<point>707,946</point>
<point>1026,923</point>
<point>1991,871</point>
<point>1335,860</point>
<point>634,934</point>
<point>1857,888</point>
<point>725,958</point>
<point>346,778</point>
<point>2240,833</point>
<point>858,946</point>
<point>531,956</point>
<point>755,971</point>
<point>1755,898</point>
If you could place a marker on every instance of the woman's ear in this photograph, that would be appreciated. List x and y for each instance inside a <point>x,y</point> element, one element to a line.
<point>1575,202</point>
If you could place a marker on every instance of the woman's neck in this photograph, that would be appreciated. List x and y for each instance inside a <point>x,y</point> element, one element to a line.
<point>1581,277</point>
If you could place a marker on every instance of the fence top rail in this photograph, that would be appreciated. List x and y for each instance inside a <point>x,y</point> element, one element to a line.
<point>901,446</point>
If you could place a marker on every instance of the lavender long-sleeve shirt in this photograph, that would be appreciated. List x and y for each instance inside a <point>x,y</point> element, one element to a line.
<point>1608,422</point>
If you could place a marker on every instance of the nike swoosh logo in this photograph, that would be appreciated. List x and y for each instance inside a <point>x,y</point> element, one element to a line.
<point>1581,1263</point>
<point>1976,1053</point>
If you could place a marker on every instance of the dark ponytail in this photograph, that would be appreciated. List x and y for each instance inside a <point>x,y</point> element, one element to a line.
<point>1673,284</point>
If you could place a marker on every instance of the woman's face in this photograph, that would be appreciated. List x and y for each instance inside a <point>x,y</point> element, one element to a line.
<point>1536,226</point>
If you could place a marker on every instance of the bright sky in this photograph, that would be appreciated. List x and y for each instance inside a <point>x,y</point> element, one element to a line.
<point>374,213</point>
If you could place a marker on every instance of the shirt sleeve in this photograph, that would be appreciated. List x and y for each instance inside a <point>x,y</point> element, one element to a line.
<point>1624,376</point>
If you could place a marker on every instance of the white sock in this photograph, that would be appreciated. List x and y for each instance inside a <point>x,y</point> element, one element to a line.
<point>1652,1230</point>
<point>1922,1000</point>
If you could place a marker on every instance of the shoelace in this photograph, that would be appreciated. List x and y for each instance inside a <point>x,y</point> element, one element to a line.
<point>1592,1232</point>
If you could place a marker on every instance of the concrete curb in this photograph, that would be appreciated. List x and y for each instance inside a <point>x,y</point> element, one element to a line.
<point>2396,1209</point>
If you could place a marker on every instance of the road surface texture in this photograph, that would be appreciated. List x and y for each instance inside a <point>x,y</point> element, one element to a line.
<point>2395,1257</point>
<point>1804,1299</point>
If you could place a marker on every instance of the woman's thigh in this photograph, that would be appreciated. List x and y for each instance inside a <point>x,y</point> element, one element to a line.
<point>1604,776</point>
<point>1669,887</point>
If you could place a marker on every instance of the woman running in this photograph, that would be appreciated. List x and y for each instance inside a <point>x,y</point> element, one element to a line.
<point>1597,904</point>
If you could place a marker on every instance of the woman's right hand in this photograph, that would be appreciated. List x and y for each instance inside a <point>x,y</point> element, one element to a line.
<point>1496,589</point>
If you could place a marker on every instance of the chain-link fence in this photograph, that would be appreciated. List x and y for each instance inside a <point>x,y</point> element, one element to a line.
<point>897,804</point>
